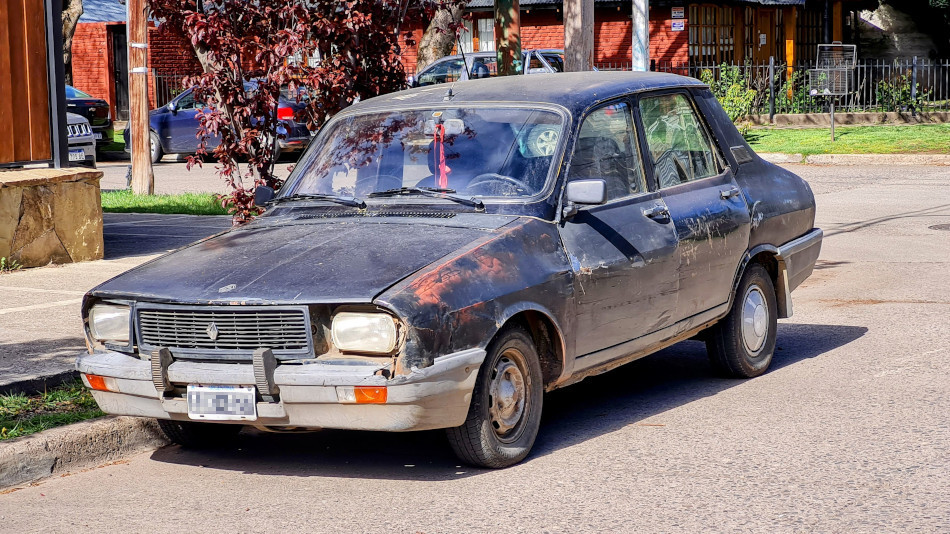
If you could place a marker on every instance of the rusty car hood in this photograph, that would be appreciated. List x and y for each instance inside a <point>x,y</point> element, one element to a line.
<point>327,261</point>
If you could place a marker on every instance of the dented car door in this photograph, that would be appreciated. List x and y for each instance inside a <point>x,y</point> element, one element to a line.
<point>708,210</point>
<point>622,252</point>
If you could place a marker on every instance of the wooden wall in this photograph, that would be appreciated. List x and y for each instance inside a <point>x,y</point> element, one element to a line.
<point>24,91</point>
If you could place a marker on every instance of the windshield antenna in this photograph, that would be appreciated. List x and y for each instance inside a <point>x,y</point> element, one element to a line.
<point>458,43</point>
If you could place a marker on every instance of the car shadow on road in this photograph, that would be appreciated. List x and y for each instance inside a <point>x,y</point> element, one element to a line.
<point>597,406</point>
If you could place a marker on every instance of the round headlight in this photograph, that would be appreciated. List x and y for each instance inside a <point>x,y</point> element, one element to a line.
<point>364,332</point>
<point>109,322</point>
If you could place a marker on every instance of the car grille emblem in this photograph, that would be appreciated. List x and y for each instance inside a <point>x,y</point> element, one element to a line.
<point>212,331</point>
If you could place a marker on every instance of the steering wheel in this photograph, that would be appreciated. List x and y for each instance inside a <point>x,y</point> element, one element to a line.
<point>380,182</point>
<point>489,177</point>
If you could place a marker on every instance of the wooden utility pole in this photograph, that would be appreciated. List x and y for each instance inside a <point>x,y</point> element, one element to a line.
<point>508,37</point>
<point>143,181</point>
<point>578,35</point>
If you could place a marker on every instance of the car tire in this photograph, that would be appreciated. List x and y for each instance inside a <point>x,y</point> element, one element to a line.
<point>542,141</point>
<point>193,435</point>
<point>505,413</point>
<point>155,146</point>
<point>742,344</point>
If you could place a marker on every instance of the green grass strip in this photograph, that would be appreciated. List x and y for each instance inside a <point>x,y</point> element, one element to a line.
<point>21,415</point>
<point>918,139</point>
<point>125,201</point>
<point>117,144</point>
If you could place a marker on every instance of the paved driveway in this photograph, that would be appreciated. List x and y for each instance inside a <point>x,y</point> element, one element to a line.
<point>848,432</point>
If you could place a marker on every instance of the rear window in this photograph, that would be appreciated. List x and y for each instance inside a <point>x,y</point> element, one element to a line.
<point>72,92</point>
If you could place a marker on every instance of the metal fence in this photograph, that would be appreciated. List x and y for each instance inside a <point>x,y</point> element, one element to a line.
<point>906,84</point>
<point>167,87</point>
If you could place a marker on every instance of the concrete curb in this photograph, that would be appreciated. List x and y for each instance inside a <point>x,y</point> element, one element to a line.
<point>859,159</point>
<point>879,159</point>
<point>777,157</point>
<point>72,447</point>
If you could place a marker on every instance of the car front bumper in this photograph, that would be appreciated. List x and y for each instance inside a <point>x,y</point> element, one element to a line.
<point>89,153</point>
<point>435,397</point>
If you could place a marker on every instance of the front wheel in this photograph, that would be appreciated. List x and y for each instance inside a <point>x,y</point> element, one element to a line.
<point>742,344</point>
<point>505,413</point>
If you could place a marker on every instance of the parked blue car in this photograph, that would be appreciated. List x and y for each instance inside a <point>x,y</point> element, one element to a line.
<point>173,128</point>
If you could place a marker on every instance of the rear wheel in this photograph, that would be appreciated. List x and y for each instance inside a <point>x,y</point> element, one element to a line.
<point>199,435</point>
<point>505,413</point>
<point>742,344</point>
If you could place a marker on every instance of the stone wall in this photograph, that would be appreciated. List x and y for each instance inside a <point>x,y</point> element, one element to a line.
<point>50,216</point>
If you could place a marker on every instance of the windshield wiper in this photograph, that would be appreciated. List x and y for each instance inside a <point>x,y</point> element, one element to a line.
<point>431,192</point>
<point>346,201</point>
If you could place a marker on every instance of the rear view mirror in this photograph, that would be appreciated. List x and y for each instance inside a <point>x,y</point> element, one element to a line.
<point>263,195</point>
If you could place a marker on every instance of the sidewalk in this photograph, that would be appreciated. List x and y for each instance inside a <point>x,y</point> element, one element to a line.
<point>40,328</point>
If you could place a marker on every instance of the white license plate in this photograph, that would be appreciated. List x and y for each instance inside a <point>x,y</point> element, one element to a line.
<point>98,136</point>
<point>77,155</point>
<point>222,403</point>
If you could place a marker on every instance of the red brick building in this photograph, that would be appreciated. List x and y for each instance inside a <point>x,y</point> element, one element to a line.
<point>100,57</point>
<point>682,34</point>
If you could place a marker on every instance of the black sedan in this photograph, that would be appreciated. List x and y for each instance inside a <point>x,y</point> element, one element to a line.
<point>96,111</point>
<point>441,257</point>
<point>173,128</point>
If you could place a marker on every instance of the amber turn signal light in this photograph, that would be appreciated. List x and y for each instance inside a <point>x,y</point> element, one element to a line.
<point>370,395</point>
<point>96,382</point>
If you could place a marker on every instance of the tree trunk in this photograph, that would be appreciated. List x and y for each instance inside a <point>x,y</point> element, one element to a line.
<point>72,10</point>
<point>508,37</point>
<point>578,35</point>
<point>439,37</point>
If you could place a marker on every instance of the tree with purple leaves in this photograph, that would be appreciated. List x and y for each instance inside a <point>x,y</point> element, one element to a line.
<point>325,55</point>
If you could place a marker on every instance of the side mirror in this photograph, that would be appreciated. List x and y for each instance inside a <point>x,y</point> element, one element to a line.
<point>411,81</point>
<point>263,195</point>
<point>587,192</point>
<point>172,107</point>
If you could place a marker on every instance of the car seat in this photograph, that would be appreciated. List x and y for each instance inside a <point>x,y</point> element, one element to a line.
<point>600,158</point>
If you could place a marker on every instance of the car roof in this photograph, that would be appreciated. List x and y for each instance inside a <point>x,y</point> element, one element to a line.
<point>572,90</point>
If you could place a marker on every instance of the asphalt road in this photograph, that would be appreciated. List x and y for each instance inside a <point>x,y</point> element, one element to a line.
<point>848,432</point>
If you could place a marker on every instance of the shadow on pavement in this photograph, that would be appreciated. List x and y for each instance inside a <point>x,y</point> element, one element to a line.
<point>31,366</point>
<point>143,234</point>
<point>599,405</point>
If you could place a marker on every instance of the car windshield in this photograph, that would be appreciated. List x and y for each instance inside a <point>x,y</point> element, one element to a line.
<point>72,92</point>
<point>474,151</point>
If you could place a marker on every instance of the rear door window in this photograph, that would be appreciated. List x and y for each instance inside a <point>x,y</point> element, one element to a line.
<point>680,147</point>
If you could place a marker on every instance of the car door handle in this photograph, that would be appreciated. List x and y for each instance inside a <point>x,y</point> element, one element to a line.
<point>728,193</point>
<point>657,212</point>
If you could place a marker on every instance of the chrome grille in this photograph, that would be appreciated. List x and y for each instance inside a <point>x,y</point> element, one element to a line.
<point>211,331</point>
<point>78,130</point>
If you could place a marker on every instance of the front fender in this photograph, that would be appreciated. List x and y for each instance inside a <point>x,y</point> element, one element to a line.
<point>462,300</point>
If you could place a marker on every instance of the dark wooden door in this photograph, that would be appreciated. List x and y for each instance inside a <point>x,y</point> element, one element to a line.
<point>763,42</point>
<point>24,86</point>
<point>120,74</point>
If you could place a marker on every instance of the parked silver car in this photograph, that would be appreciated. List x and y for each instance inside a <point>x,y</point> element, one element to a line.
<point>81,142</point>
<point>478,65</point>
